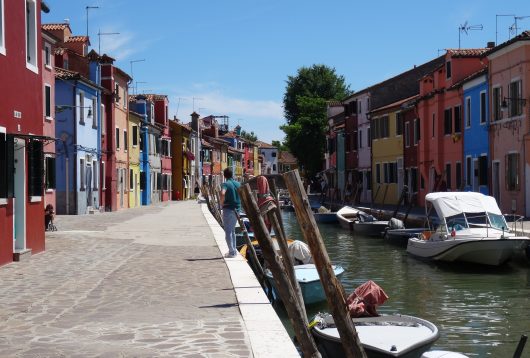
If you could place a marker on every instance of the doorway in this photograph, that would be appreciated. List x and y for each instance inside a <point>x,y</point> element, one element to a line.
<point>496,171</point>
<point>19,201</point>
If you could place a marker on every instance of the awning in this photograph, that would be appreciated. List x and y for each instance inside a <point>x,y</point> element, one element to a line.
<point>453,203</point>
<point>189,155</point>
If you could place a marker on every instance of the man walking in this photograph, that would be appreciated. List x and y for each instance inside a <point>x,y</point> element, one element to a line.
<point>231,204</point>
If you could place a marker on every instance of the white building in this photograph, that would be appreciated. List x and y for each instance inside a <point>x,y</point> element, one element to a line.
<point>270,158</point>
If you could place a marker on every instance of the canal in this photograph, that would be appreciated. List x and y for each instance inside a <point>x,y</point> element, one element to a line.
<point>480,311</point>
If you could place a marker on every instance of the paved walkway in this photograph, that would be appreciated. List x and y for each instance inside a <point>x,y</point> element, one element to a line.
<point>146,282</point>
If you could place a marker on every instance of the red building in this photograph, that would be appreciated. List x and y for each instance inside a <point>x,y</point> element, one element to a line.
<point>21,130</point>
<point>162,121</point>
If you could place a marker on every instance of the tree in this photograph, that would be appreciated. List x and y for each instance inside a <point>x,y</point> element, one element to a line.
<point>304,102</point>
<point>249,136</point>
<point>281,146</point>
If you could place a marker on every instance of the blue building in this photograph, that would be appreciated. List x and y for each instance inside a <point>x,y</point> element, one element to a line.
<point>78,150</point>
<point>476,154</point>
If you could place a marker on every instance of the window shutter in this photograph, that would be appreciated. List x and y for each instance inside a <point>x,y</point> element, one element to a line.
<point>142,180</point>
<point>50,173</point>
<point>36,168</point>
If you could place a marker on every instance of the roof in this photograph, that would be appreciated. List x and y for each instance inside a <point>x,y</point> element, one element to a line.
<point>395,104</point>
<point>466,52</point>
<point>63,74</point>
<point>470,77</point>
<point>334,103</point>
<point>523,36</point>
<point>206,144</point>
<point>52,27</point>
<point>261,144</point>
<point>149,96</point>
<point>123,73</point>
<point>78,39</point>
<point>235,150</point>
<point>286,158</point>
<point>59,50</point>
<point>453,203</point>
<point>229,135</point>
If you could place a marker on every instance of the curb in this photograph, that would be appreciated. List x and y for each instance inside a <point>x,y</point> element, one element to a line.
<point>267,335</point>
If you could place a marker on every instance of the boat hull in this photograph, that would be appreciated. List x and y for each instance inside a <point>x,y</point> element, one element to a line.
<point>346,216</point>
<point>371,228</point>
<point>401,236</point>
<point>326,218</point>
<point>309,281</point>
<point>382,337</point>
<point>485,251</point>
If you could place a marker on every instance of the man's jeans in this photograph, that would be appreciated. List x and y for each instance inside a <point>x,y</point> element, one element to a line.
<point>229,222</point>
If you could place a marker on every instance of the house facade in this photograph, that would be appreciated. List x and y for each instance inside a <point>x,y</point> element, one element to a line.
<point>441,125</point>
<point>134,122</point>
<point>476,157</point>
<point>181,160</point>
<point>119,157</point>
<point>270,158</point>
<point>21,130</point>
<point>509,88</point>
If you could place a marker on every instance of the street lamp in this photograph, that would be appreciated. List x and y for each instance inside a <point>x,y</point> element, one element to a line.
<point>62,107</point>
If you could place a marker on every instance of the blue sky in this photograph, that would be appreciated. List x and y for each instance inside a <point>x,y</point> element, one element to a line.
<point>233,57</point>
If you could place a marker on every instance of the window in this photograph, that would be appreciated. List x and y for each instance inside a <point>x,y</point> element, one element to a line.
<point>448,121</point>
<point>36,169</point>
<point>31,35</point>
<point>116,93</point>
<point>483,102</point>
<point>94,113</point>
<point>448,69</point>
<point>407,134</point>
<point>483,170</point>
<point>399,123</point>
<point>142,180</point>
<point>467,112</point>
<point>416,131</point>
<point>103,119</point>
<point>368,180</point>
<point>369,140</point>
<point>103,186</point>
<point>433,124</point>
<point>274,154</point>
<point>515,94</point>
<point>378,173</point>
<point>458,173</point>
<point>131,179</point>
<point>125,141</point>
<point>468,171</point>
<point>496,104</point>
<point>2,29</point>
<point>458,119</point>
<point>141,143</point>
<point>48,102</point>
<point>49,175</point>
<point>47,55</point>
<point>134,136</point>
<point>414,179</point>
<point>81,108</point>
<point>512,171</point>
<point>359,105</point>
<point>448,175</point>
<point>360,138</point>
<point>82,174</point>
<point>125,97</point>
<point>274,167</point>
<point>117,139</point>
<point>95,174</point>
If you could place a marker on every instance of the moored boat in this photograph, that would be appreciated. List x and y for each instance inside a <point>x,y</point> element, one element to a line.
<point>346,216</point>
<point>472,229</point>
<point>382,336</point>
<point>360,222</point>
<point>309,281</point>
<point>401,236</point>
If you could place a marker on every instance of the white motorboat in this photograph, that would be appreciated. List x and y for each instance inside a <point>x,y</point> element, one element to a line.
<point>382,336</point>
<point>472,229</point>
<point>361,223</point>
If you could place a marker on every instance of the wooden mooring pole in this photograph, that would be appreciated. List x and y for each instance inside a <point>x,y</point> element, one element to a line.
<point>285,289</point>
<point>332,287</point>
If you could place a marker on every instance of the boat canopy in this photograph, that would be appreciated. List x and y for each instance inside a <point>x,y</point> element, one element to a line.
<point>449,204</point>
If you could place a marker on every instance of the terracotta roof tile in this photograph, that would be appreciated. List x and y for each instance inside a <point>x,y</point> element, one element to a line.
<point>52,27</point>
<point>66,74</point>
<point>467,52</point>
<point>229,135</point>
<point>334,103</point>
<point>469,78</point>
<point>261,144</point>
<point>287,157</point>
<point>395,104</point>
<point>523,36</point>
<point>59,50</point>
<point>77,39</point>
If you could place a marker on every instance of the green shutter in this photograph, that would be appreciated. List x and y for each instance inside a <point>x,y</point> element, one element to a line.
<point>36,168</point>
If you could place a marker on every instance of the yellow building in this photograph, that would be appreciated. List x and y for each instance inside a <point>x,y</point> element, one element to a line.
<point>181,161</point>
<point>134,159</point>
<point>257,167</point>
<point>386,126</point>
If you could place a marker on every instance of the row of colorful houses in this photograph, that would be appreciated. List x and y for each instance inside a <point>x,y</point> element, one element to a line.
<point>458,122</point>
<point>73,137</point>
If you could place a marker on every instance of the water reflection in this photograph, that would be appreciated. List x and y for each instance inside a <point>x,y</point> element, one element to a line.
<point>480,311</point>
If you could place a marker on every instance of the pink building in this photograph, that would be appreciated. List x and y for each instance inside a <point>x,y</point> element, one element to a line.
<point>48,79</point>
<point>439,131</point>
<point>509,86</point>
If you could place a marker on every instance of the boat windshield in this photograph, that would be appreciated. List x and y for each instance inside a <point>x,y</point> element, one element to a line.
<point>498,221</point>
<point>456,222</point>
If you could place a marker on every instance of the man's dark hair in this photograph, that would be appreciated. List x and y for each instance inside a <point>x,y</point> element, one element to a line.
<point>227,173</point>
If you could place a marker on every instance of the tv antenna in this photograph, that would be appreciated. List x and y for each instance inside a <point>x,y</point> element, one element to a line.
<point>465,28</point>
<point>513,27</point>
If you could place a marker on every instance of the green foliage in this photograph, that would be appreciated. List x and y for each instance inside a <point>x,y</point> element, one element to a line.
<point>304,102</point>
<point>249,136</point>
<point>315,81</point>
<point>281,146</point>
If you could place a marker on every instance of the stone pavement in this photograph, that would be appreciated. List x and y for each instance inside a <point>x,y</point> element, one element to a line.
<point>144,282</point>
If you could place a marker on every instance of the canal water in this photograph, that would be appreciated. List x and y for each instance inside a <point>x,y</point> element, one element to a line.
<point>479,311</point>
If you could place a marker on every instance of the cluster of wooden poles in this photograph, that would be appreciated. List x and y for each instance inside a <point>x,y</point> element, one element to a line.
<point>281,265</point>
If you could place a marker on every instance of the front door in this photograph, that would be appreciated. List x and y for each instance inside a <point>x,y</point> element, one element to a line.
<point>475,174</point>
<point>19,202</point>
<point>120,171</point>
<point>136,195</point>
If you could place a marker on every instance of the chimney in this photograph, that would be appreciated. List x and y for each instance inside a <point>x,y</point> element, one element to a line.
<point>490,44</point>
<point>195,121</point>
